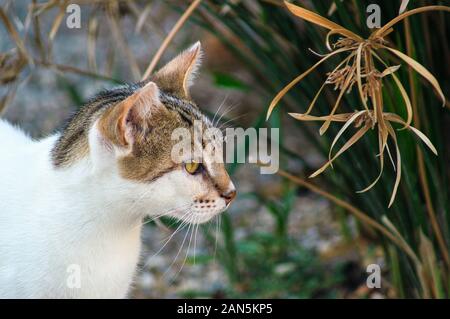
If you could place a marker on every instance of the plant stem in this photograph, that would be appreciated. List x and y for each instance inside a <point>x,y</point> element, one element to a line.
<point>72,69</point>
<point>169,38</point>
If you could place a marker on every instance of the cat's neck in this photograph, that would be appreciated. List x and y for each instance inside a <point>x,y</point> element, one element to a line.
<point>87,202</point>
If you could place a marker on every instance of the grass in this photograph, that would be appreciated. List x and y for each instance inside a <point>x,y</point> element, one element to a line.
<point>271,264</point>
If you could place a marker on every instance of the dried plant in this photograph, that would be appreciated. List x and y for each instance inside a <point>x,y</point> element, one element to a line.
<point>360,69</point>
<point>33,44</point>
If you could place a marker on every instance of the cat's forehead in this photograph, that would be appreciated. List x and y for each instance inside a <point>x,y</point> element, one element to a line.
<point>188,110</point>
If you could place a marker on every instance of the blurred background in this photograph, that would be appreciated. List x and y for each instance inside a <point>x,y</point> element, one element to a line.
<point>283,237</point>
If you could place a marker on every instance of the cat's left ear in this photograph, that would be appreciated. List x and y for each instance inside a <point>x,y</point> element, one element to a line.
<point>126,122</point>
<point>177,76</point>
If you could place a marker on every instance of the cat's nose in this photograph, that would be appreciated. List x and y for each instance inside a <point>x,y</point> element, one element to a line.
<point>229,195</point>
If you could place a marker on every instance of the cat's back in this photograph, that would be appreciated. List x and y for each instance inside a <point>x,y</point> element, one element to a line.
<point>22,160</point>
<point>16,154</point>
<point>12,137</point>
<point>15,147</point>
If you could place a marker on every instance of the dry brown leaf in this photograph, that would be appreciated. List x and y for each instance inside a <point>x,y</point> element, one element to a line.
<point>359,67</point>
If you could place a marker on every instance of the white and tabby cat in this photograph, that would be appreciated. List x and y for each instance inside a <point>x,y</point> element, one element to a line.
<point>78,197</point>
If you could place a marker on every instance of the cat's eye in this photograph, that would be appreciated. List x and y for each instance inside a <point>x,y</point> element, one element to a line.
<point>192,167</point>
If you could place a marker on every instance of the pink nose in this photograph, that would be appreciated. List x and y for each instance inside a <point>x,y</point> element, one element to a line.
<point>229,196</point>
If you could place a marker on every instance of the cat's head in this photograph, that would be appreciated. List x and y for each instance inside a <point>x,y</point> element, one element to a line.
<point>137,134</point>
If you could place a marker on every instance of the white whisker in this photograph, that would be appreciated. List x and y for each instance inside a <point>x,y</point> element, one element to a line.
<point>232,107</point>
<point>187,251</point>
<point>168,238</point>
<point>218,109</point>
<point>223,125</point>
<point>181,247</point>
<point>195,241</point>
<point>168,212</point>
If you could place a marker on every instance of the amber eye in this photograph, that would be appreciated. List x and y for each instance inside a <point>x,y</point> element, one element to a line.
<point>192,167</point>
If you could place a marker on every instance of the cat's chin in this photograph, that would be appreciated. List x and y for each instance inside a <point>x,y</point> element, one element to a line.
<point>198,217</point>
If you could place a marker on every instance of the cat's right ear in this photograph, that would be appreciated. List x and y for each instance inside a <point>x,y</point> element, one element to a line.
<point>124,123</point>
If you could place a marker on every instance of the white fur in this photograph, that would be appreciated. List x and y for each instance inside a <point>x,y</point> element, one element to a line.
<point>84,215</point>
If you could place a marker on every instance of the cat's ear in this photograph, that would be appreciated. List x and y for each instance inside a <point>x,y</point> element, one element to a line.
<point>177,76</point>
<point>128,120</point>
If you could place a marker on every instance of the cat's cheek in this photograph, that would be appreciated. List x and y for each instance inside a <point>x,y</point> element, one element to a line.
<point>178,189</point>
<point>193,186</point>
<point>103,153</point>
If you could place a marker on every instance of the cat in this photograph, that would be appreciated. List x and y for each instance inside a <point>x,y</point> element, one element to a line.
<point>73,203</point>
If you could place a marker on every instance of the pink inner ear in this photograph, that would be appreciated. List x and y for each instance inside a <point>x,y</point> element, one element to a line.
<point>124,127</point>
